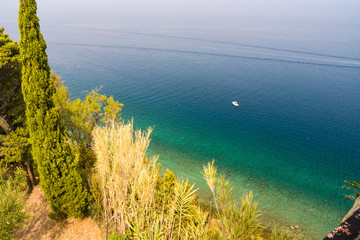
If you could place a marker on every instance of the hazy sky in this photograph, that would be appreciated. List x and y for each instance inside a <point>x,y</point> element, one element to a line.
<point>246,19</point>
<point>260,11</point>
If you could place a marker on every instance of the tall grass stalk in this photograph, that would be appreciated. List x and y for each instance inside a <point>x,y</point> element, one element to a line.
<point>127,178</point>
<point>135,198</point>
<point>139,203</point>
<point>236,221</point>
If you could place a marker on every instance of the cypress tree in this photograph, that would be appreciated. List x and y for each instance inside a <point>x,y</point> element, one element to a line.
<point>56,161</point>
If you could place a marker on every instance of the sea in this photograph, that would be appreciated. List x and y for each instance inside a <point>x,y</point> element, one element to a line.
<point>294,70</point>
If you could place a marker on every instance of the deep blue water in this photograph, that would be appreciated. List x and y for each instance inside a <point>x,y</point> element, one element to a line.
<point>293,140</point>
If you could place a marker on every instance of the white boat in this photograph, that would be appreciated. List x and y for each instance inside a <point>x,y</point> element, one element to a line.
<point>235,103</point>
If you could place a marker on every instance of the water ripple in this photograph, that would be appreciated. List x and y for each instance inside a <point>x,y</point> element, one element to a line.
<point>232,44</point>
<point>209,54</point>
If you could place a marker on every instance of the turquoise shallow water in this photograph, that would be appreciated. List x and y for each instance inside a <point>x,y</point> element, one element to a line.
<point>292,141</point>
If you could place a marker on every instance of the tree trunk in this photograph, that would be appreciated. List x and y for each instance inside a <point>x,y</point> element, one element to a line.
<point>30,171</point>
<point>30,175</point>
<point>349,229</point>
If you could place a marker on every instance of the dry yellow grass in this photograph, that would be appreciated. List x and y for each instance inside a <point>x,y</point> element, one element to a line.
<point>127,178</point>
<point>133,193</point>
<point>41,227</point>
<point>131,200</point>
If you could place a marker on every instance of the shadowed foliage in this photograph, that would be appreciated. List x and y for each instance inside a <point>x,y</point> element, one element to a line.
<point>12,106</point>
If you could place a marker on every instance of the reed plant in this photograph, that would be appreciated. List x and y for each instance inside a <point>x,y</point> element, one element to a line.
<point>278,234</point>
<point>126,177</point>
<point>138,202</point>
<point>236,221</point>
<point>136,199</point>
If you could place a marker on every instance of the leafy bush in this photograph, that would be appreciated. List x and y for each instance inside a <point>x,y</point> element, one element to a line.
<point>16,151</point>
<point>12,216</point>
<point>80,117</point>
<point>12,106</point>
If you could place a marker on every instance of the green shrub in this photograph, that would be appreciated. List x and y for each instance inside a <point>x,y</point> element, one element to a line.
<point>16,151</point>
<point>12,106</point>
<point>79,117</point>
<point>12,216</point>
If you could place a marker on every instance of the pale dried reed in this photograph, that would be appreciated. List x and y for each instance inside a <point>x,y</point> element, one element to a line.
<point>127,178</point>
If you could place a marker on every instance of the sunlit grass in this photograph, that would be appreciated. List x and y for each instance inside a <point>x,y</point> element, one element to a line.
<point>137,202</point>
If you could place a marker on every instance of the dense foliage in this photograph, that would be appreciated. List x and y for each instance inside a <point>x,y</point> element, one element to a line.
<point>12,106</point>
<point>81,116</point>
<point>51,149</point>
<point>12,216</point>
<point>14,144</point>
<point>15,150</point>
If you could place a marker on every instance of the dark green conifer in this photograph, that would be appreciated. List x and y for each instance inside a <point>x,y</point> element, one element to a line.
<point>12,106</point>
<point>51,149</point>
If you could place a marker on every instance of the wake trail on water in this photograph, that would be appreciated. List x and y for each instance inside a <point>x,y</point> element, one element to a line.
<point>210,54</point>
<point>234,44</point>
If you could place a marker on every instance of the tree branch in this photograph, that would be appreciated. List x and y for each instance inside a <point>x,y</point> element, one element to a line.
<point>4,125</point>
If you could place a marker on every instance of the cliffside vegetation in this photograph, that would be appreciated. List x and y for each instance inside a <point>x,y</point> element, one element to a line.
<point>57,162</point>
<point>12,207</point>
<point>90,163</point>
<point>12,106</point>
<point>15,146</point>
